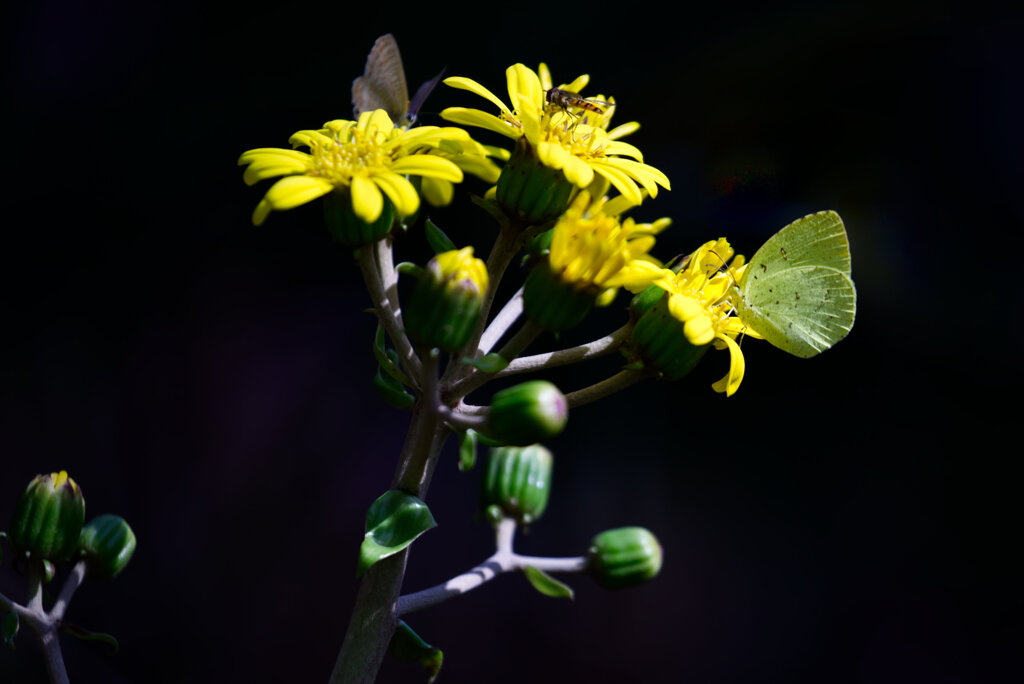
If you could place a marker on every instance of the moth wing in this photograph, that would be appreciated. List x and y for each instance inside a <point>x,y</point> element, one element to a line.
<point>382,85</point>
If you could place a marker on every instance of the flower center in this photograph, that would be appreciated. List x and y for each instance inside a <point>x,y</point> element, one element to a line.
<point>340,160</point>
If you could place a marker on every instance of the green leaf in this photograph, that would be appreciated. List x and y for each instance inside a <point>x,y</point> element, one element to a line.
<point>467,450</point>
<point>546,584</point>
<point>392,391</point>
<point>393,522</point>
<point>88,635</point>
<point>439,242</point>
<point>407,647</point>
<point>10,628</point>
<point>490,364</point>
<point>410,269</point>
<point>387,358</point>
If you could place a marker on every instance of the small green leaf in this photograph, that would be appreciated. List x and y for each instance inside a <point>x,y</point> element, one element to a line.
<point>88,635</point>
<point>467,450</point>
<point>490,364</point>
<point>546,584</point>
<point>10,628</point>
<point>393,522</point>
<point>407,647</point>
<point>387,358</point>
<point>410,269</point>
<point>392,391</point>
<point>49,570</point>
<point>439,242</point>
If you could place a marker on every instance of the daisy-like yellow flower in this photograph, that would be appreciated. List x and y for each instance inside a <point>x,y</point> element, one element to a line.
<point>698,297</point>
<point>593,253</point>
<point>578,145</point>
<point>365,160</point>
<point>592,249</point>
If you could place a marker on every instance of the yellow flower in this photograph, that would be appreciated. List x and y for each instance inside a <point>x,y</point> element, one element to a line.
<point>592,249</point>
<point>699,298</point>
<point>367,159</point>
<point>459,270</point>
<point>578,145</point>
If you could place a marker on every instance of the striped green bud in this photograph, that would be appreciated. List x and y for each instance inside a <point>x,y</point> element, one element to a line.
<point>659,342</point>
<point>624,557</point>
<point>527,413</point>
<point>49,517</point>
<point>446,303</point>
<point>530,191</point>
<point>518,481</point>
<point>552,303</point>
<point>349,229</point>
<point>107,544</point>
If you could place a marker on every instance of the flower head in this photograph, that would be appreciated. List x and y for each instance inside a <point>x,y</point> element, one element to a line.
<point>576,143</point>
<point>699,299</point>
<point>366,159</point>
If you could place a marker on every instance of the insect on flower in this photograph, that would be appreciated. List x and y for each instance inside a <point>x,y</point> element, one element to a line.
<point>566,100</point>
<point>382,85</point>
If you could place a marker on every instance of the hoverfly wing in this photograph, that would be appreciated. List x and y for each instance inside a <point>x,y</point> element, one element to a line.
<point>421,95</point>
<point>382,85</point>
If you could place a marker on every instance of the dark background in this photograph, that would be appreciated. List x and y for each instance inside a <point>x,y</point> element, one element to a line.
<point>847,518</point>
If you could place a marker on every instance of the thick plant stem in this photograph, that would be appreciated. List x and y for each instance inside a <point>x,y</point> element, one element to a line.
<point>374,619</point>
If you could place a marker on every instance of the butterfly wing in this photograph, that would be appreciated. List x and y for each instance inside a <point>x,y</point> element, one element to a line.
<point>797,291</point>
<point>382,85</point>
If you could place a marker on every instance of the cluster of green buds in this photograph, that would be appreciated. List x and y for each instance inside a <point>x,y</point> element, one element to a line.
<point>48,527</point>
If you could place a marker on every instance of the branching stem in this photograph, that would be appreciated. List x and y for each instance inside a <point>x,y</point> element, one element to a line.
<point>504,560</point>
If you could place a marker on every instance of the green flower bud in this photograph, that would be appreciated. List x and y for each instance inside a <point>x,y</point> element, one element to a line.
<point>659,342</point>
<point>107,543</point>
<point>349,229</point>
<point>529,190</point>
<point>553,303</point>
<point>527,413</point>
<point>624,557</point>
<point>518,480</point>
<point>446,302</point>
<point>640,303</point>
<point>48,519</point>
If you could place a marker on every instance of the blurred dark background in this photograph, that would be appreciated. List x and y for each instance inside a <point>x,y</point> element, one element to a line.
<point>849,518</point>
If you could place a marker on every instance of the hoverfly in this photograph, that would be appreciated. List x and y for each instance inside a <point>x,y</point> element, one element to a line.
<point>382,85</point>
<point>566,100</point>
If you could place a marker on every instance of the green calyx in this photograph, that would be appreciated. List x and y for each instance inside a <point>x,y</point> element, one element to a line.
<point>527,413</point>
<point>659,343</point>
<point>49,517</point>
<point>107,544</point>
<point>349,229</point>
<point>624,557</point>
<point>529,190</point>
<point>552,303</point>
<point>518,481</point>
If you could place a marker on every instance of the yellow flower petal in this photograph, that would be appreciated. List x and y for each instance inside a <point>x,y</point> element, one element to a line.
<point>437,192</point>
<point>293,191</point>
<point>472,86</point>
<point>428,165</point>
<point>400,191</point>
<point>474,117</point>
<point>737,366</point>
<point>367,202</point>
